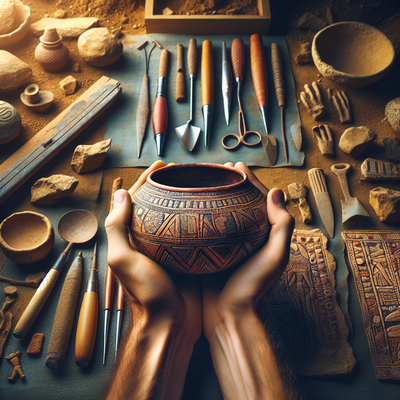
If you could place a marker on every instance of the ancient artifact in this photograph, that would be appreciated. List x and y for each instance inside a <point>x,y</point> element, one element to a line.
<point>304,312</point>
<point>392,149</point>
<point>313,102</point>
<point>21,19</point>
<point>76,226</point>
<point>350,205</point>
<point>69,27</point>
<point>342,105</point>
<point>37,100</point>
<point>7,10</point>
<point>298,191</point>
<point>379,170</point>
<point>352,53</point>
<point>10,122</point>
<point>374,258</point>
<point>324,138</point>
<point>6,316</point>
<point>51,53</point>
<point>26,237</point>
<point>68,85</point>
<point>13,72</point>
<point>87,158</point>
<point>13,359</point>
<point>297,136</point>
<point>199,218</point>
<point>392,113</point>
<point>36,344</point>
<point>386,204</point>
<point>318,185</point>
<point>355,140</point>
<point>304,57</point>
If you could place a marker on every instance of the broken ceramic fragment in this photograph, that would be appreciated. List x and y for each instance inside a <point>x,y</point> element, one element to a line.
<point>68,85</point>
<point>10,122</point>
<point>379,170</point>
<point>386,203</point>
<point>392,112</point>
<point>355,140</point>
<point>13,72</point>
<point>88,158</point>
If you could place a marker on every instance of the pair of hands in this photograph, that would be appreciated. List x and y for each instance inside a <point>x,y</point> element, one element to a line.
<point>197,304</point>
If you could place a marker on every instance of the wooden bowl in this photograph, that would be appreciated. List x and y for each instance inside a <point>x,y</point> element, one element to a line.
<point>199,218</point>
<point>26,237</point>
<point>352,53</point>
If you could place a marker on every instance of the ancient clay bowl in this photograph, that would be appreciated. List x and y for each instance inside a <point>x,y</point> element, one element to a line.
<point>352,53</point>
<point>199,218</point>
<point>22,22</point>
<point>26,237</point>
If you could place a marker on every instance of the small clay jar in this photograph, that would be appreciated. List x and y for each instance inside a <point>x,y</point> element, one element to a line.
<point>51,53</point>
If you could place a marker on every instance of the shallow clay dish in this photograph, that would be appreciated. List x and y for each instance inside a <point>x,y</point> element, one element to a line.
<point>352,53</point>
<point>26,237</point>
<point>22,22</point>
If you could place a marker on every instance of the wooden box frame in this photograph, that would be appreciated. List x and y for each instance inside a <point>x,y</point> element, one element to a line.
<point>209,24</point>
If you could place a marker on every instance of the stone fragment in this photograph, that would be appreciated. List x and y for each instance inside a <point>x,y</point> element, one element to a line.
<point>392,148</point>
<point>355,140</point>
<point>7,16</point>
<point>76,68</point>
<point>99,47</point>
<point>46,191</point>
<point>13,72</point>
<point>87,158</point>
<point>392,112</point>
<point>68,27</point>
<point>61,14</point>
<point>167,11</point>
<point>386,203</point>
<point>379,170</point>
<point>68,85</point>
<point>309,21</point>
<point>36,344</point>
<point>304,57</point>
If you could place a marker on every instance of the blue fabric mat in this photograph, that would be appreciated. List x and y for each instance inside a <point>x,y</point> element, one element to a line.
<point>130,70</point>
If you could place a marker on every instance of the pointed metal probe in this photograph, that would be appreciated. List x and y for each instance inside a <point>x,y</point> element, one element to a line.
<point>226,83</point>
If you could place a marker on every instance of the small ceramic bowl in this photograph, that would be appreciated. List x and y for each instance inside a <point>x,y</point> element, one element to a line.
<point>352,53</point>
<point>26,237</point>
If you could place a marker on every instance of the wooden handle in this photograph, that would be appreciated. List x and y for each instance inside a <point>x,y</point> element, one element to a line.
<point>259,70</point>
<point>120,300</point>
<point>163,67</point>
<point>65,314</point>
<point>160,116</point>
<point>207,74</point>
<point>278,74</point>
<point>36,304</point>
<point>238,52</point>
<point>180,95</point>
<point>86,329</point>
<point>192,57</point>
<point>317,180</point>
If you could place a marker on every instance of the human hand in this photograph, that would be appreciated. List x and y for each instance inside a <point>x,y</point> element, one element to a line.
<point>231,294</point>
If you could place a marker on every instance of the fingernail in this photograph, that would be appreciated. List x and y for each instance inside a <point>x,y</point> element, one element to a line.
<point>119,198</point>
<point>278,197</point>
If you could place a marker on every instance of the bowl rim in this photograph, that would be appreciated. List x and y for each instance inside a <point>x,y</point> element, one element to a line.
<point>151,182</point>
<point>49,234</point>
<point>317,59</point>
<point>7,39</point>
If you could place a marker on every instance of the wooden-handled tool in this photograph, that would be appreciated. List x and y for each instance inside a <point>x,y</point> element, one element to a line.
<point>180,89</point>
<point>260,82</point>
<point>279,84</point>
<point>120,310</point>
<point>88,318</point>
<point>207,87</point>
<point>160,108</point>
<point>65,313</point>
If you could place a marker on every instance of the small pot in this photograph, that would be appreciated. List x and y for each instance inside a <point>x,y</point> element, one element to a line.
<point>26,237</point>
<point>199,218</point>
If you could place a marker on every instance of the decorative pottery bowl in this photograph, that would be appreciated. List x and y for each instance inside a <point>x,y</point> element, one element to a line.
<point>26,237</point>
<point>352,53</point>
<point>199,218</point>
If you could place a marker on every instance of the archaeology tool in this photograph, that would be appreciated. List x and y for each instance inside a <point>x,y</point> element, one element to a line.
<point>30,157</point>
<point>120,310</point>
<point>143,108</point>
<point>180,89</point>
<point>298,191</point>
<point>88,318</point>
<point>226,83</point>
<point>350,205</point>
<point>76,226</point>
<point>248,138</point>
<point>260,82</point>
<point>188,134</point>
<point>65,314</point>
<point>160,108</point>
<point>297,137</point>
<point>279,84</point>
<point>318,185</point>
<point>110,279</point>
<point>207,88</point>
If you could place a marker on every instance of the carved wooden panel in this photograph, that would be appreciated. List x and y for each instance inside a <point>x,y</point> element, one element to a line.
<point>374,257</point>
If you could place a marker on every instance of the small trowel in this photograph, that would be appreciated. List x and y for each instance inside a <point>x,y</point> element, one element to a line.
<point>187,133</point>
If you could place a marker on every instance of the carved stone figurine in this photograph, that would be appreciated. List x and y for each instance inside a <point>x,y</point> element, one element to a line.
<point>13,358</point>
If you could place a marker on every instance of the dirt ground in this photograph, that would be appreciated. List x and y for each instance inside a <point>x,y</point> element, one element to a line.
<point>128,15</point>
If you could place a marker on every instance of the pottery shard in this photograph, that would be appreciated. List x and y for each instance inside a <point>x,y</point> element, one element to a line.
<point>99,47</point>
<point>13,72</point>
<point>68,27</point>
<point>36,344</point>
<point>386,203</point>
<point>355,140</point>
<point>68,85</point>
<point>46,191</point>
<point>7,16</point>
<point>87,158</point>
<point>392,148</point>
<point>392,112</point>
